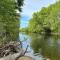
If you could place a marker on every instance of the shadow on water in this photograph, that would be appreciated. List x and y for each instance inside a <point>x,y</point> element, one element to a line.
<point>45,46</point>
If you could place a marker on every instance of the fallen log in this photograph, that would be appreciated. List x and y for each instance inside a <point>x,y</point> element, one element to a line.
<point>12,57</point>
<point>25,58</point>
<point>22,53</point>
<point>15,56</point>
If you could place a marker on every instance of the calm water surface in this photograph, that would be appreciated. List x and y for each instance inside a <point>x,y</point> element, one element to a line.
<point>41,47</point>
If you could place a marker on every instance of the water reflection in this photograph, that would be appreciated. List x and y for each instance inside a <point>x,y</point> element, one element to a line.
<point>47,46</point>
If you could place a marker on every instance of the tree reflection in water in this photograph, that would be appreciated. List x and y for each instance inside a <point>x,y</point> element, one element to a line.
<point>47,46</point>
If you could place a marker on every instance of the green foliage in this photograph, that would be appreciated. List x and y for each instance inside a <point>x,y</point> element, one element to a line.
<point>9,20</point>
<point>48,19</point>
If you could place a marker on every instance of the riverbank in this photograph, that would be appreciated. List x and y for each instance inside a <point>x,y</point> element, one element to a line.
<point>14,56</point>
<point>11,51</point>
<point>9,48</point>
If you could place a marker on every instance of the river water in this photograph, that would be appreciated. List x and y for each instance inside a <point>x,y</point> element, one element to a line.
<point>41,46</point>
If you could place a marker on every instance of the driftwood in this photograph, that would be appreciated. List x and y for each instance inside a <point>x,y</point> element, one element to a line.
<point>11,56</point>
<point>25,58</point>
<point>15,56</point>
<point>7,49</point>
<point>22,53</point>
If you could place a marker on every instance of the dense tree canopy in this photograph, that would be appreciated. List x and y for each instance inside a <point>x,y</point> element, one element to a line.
<point>48,19</point>
<point>9,19</point>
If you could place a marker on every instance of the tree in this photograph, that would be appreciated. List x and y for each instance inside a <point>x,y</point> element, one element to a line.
<point>46,20</point>
<point>9,19</point>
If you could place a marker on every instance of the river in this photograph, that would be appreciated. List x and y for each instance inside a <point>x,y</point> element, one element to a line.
<point>41,46</point>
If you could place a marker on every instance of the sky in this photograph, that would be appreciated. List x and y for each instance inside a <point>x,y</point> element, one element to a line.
<point>31,6</point>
